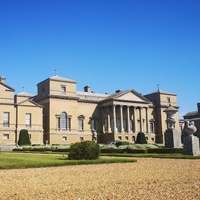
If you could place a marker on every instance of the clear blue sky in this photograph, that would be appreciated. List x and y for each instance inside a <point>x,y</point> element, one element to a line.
<point>107,44</point>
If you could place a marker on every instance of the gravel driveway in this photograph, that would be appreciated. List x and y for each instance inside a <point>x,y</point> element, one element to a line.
<point>148,178</point>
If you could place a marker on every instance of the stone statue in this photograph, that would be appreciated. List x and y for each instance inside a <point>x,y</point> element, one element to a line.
<point>189,128</point>
<point>190,141</point>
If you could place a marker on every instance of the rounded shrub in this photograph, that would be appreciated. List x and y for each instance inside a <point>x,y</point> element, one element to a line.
<point>85,150</point>
<point>141,138</point>
<point>24,138</point>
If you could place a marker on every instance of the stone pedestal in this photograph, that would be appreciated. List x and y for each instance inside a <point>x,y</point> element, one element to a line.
<point>172,138</point>
<point>191,145</point>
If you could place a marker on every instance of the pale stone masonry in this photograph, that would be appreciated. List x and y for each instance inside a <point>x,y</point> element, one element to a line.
<point>59,114</point>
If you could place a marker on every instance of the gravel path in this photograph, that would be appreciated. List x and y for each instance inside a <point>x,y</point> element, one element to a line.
<point>149,178</point>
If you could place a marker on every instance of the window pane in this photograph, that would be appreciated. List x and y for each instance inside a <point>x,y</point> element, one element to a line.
<point>28,120</point>
<point>106,123</point>
<point>112,124</point>
<point>63,121</point>
<point>131,125</point>
<point>80,124</point>
<point>125,124</point>
<point>118,124</point>
<point>58,123</point>
<point>6,119</point>
<point>151,127</point>
<point>63,89</point>
<point>6,136</point>
<point>69,124</point>
<point>93,124</point>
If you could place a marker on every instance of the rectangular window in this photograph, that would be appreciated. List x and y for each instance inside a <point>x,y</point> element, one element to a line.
<point>6,136</point>
<point>169,101</point>
<point>125,124</point>
<point>81,139</point>
<point>43,91</point>
<point>106,123</point>
<point>69,124</point>
<point>131,124</point>
<point>63,89</point>
<point>28,120</point>
<point>118,125</point>
<point>6,119</point>
<point>58,123</point>
<point>112,124</point>
<point>64,138</point>
<point>80,124</point>
<point>151,127</point>
<point>93,125</point>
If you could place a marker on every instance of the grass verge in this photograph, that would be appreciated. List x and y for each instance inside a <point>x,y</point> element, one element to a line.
<point>14,160</point>
<point>172,156</point>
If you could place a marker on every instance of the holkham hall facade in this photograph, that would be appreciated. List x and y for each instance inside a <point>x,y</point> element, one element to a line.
<point>59,114</point>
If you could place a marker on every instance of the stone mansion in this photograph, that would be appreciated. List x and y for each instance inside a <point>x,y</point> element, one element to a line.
<point>59,114</point>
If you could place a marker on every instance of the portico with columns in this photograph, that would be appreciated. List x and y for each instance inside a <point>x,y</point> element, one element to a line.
<point>125,114</point>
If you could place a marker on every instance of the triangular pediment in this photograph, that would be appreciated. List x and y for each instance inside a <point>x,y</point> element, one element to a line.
<point>4,87</point>
<point>130,95</point>
<point>29,103</point>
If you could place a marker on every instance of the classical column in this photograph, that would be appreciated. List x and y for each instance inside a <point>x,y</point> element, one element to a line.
<point>108,120</point>
<point>121,119</point>
<point>135,120</point>
<point>141,122</point>
<point>114,119</point>
<point>128,120</point>
<point>103,119</point>
<point>147,119</point>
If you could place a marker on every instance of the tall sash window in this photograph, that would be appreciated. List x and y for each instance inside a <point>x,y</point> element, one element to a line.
<point>28,120</point>
<point>6,119</point>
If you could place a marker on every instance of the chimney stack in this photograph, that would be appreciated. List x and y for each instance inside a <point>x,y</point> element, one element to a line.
<point>87,88</point>
<point>118,91</point>
<point>2,79</point>
<point>198,107</point>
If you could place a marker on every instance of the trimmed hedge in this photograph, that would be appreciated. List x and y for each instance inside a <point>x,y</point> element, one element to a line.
<point>112,150</point>
<point>119,143</point>
<point>24,138</point>
<point>165,150</point>
<point>141,138</point>
<point>87,150</point>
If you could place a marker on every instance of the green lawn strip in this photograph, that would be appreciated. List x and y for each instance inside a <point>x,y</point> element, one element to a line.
<point>10,161</point>
<point>172,156</point>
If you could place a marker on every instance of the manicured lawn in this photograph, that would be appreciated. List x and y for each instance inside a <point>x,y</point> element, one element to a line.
<point>24,160</point>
